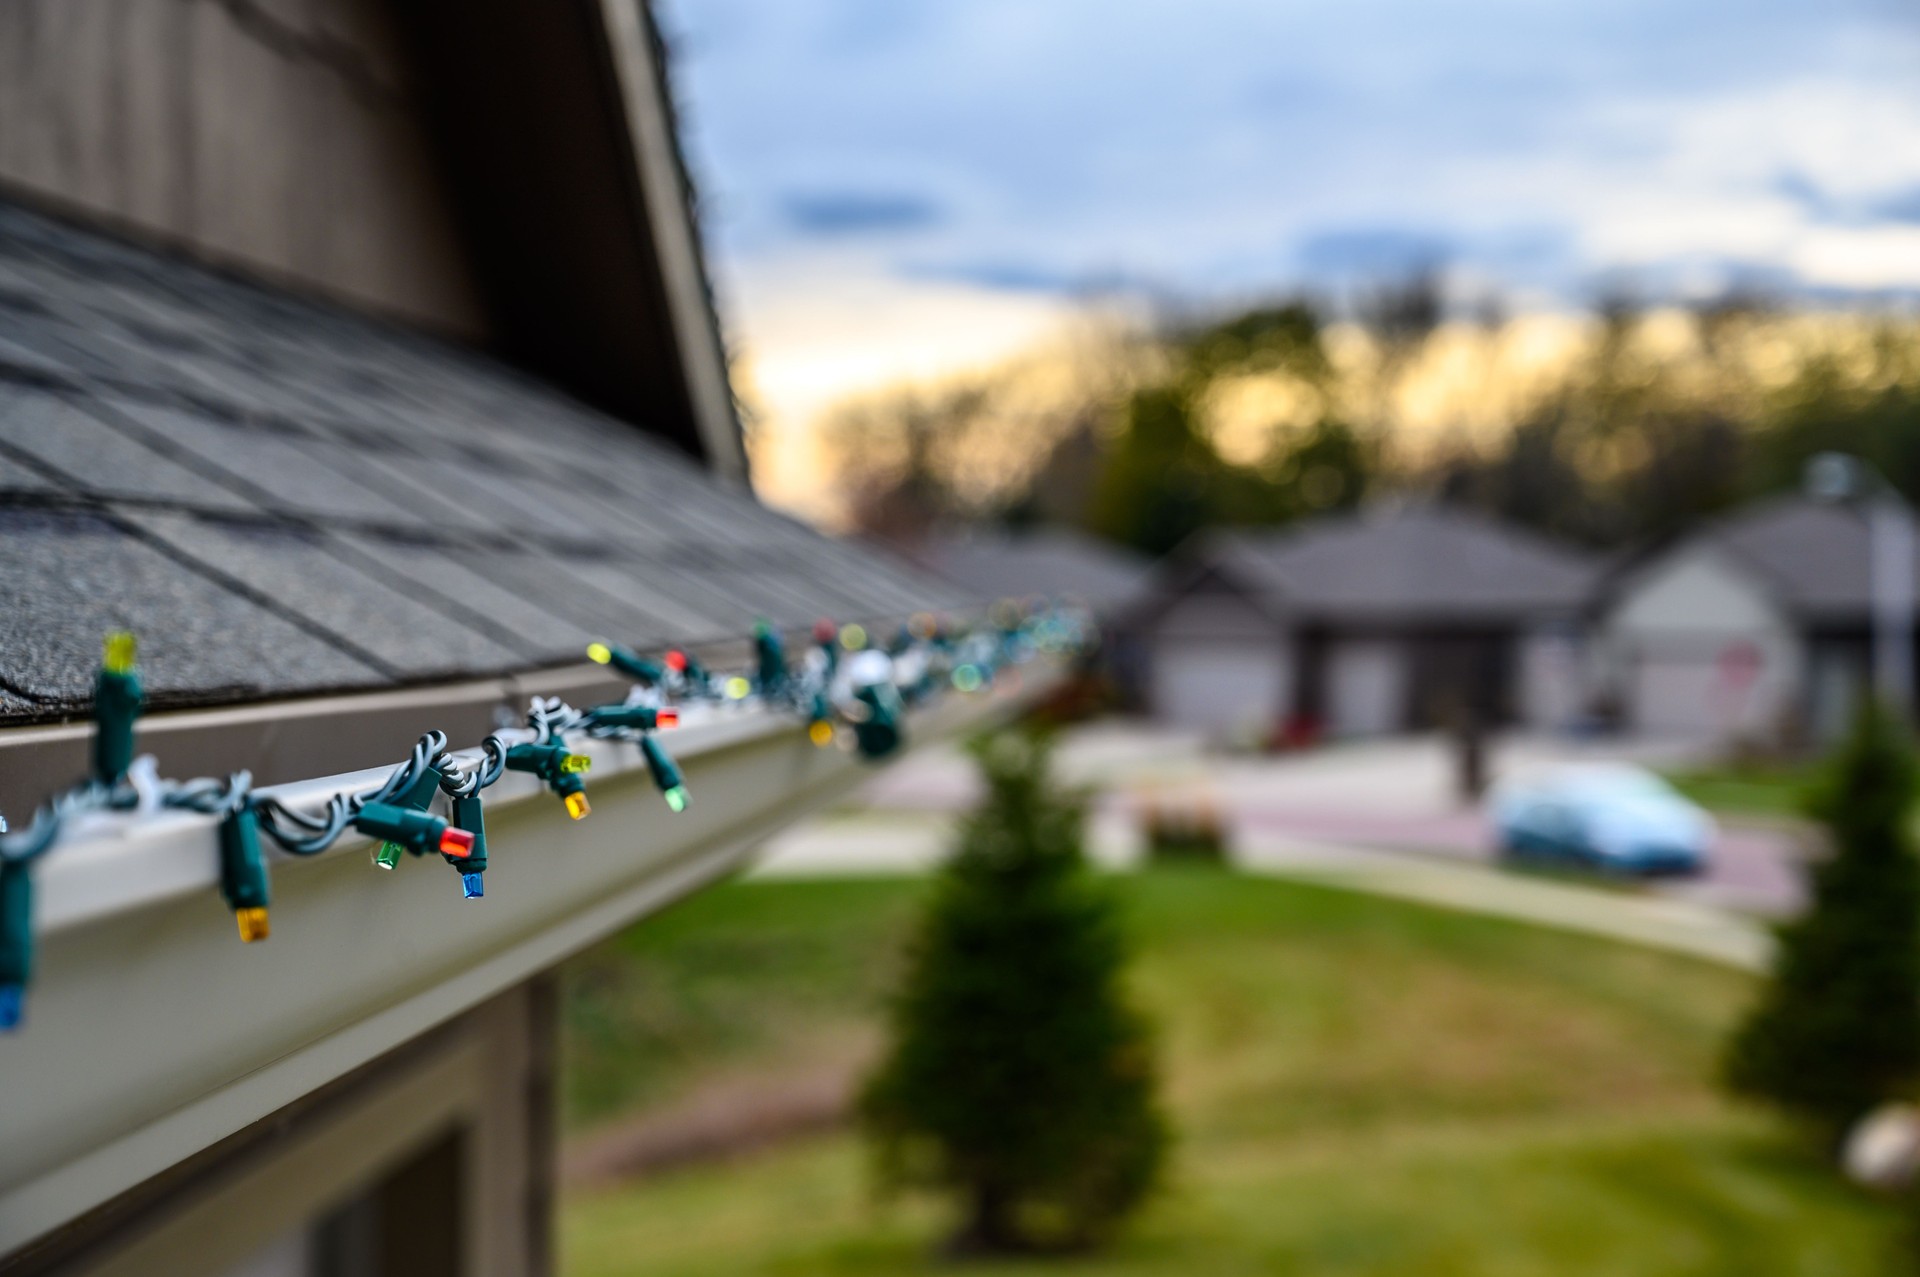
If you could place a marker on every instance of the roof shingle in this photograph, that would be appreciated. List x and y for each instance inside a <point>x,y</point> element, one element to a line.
<point>284,497</point>
<point>1416,563</point>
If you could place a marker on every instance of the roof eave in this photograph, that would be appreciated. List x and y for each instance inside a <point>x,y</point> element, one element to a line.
<point>137,946</point>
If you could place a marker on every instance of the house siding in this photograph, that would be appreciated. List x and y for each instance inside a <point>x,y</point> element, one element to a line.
<point>1697,649</point>
<point>279,138</point>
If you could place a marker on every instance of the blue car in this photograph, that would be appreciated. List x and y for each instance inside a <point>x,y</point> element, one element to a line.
<point>1614,818</point>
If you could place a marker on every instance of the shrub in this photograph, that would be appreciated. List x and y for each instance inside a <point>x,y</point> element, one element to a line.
<point>1837,1030</point>
<point>1019,1078</point>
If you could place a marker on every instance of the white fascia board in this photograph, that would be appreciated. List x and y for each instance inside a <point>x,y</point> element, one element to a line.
<point>108,863</point>
<point>153,1032</point>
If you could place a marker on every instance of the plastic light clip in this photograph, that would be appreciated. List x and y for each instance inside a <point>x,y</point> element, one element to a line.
<point>628,662</point>
<point>559,768</point>
<point>469,815</point>
<point>404,827</point>
<point>116,706</point>
<point>16,940</point>
<point>666,775</point>
<point>243,873</point>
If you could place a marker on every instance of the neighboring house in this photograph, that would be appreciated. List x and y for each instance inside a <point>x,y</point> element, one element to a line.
<point>1389,620</point>
<point>358,357</point>
<point>1756,627</point>
<point>1059,564</point>
<point>1051,563</point>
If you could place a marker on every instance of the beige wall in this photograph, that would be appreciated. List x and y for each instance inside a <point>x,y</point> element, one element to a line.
<point>275,135</point>
<point>1220,666</point>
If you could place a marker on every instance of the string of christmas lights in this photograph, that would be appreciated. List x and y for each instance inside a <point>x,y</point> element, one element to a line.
<point>844,688</point>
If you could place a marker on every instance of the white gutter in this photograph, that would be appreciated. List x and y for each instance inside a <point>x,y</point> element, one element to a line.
<point>152,1032</point>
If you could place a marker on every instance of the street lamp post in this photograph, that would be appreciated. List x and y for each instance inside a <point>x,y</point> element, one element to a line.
<point>1834,476</point>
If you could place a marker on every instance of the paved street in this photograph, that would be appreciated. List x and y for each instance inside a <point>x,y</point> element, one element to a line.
<point>1358,805</point>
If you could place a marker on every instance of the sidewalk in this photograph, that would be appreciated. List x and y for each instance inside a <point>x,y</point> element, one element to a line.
<point>1657,922</point>
<point>897,842</point>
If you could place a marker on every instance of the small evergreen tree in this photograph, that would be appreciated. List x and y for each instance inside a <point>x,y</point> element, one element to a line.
<point>1019,1079</point>
<point>1838,1029</point>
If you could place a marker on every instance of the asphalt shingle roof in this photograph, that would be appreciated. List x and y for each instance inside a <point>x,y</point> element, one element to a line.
<point>1052,562</point>
<point>282,497</point>
<point>1419,563</point>
<point>1815,556</point>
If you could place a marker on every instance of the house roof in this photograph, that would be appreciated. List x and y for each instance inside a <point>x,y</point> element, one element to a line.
<point>283,497</point>
<point>1055,562</point>
<point>1813,556</point>
<point>1421,563</point>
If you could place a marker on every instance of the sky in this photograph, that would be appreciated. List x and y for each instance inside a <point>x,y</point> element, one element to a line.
<point>906,188</point>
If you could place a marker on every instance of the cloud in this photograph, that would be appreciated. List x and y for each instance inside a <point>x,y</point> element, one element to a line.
<point>1233,147</point>
<point>1898,206</point>
<point>1371,253</point>
<point>830,213</point>
<point>1028,277</point>
<point>1802,190</point>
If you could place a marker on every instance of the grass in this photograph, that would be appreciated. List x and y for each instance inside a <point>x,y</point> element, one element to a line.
<point>726,982</point>
<point>1360,1087</point>
<point>1747,789</point>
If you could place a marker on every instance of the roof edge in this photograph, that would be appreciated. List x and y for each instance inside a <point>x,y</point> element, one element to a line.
<point>638,54</point>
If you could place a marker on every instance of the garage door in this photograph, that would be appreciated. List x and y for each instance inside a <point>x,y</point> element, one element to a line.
<point>1708,696</point>
<point>1227,688</point>
<point>1673,696</point>
<point>1366,687</point>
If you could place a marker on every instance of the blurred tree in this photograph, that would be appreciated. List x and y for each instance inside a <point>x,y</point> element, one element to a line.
<point>1271,338</point>
<point>892,455</point>
<point>1630,429</point>
<point>1062,489</point>
<point>1402,311</point>
<point>1330,466</point>
<point>1535,480</point>
<point>1825,409</point>
<point>1837,1031</point>
<point>1691,465</point>
<point>1018,1077</point>
<point>1161,478</point>
<point>1625,449</point>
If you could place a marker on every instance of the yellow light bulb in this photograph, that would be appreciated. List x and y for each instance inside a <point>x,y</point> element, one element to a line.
<point>599,653</point>
<point>820,732</point>
<point>737,688</point>
<point>853,637</point>
<point>577,806</point>
<point>253,924</point>
<point>120,649</point>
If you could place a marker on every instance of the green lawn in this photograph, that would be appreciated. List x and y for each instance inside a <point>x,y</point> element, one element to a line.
<point>1359,1086</point>
<point>1747,790</point>
<point>745,978</point>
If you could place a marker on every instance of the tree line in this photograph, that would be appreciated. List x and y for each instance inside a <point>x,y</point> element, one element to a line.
<point>1637,424</point>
